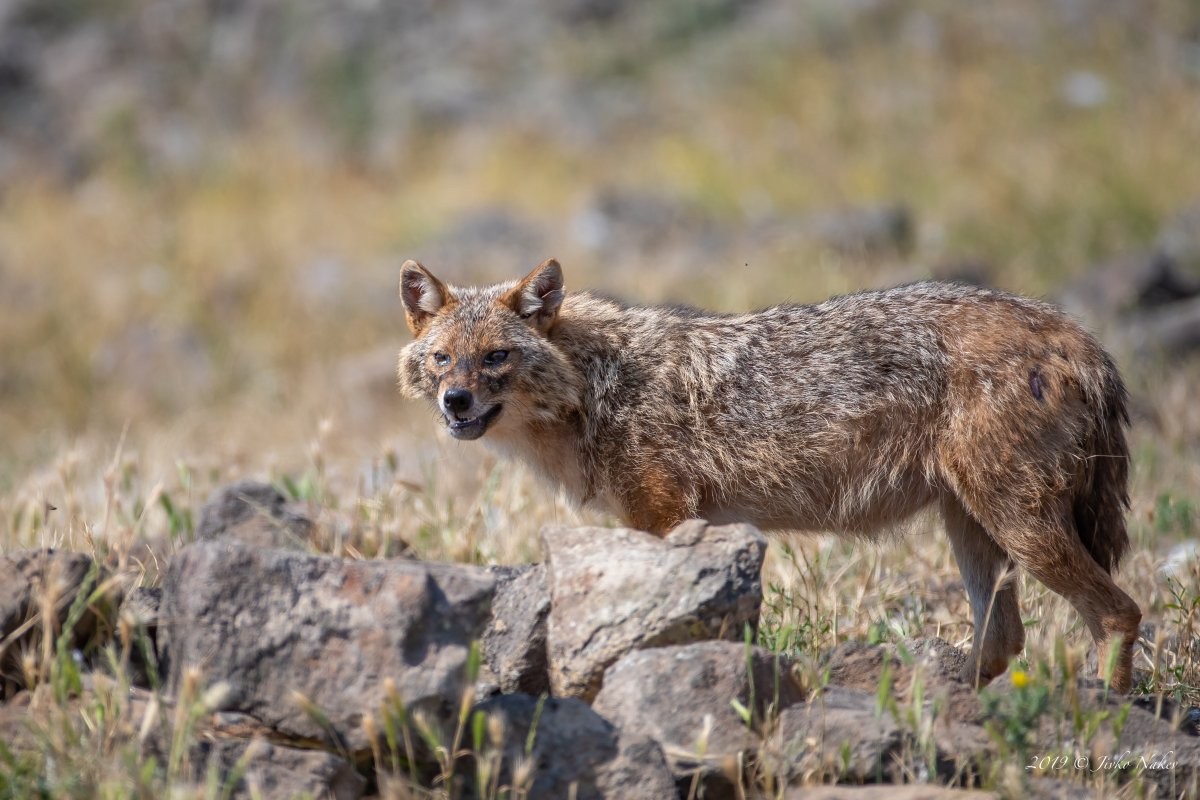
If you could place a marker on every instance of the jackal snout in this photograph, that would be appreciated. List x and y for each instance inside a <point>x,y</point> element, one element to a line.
<point>457,401</point>
<point>466,416</point>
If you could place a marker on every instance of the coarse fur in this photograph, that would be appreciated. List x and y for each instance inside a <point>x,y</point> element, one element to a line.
<point>849,416</point>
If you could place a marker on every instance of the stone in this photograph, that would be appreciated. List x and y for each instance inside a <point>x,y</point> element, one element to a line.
<point>838,735</point>
<point>904,792</point>
<point>140,611</point>
<point>682,697</point>
<point>1179,240</point>
<point>34,581</point>
<point>274,772</point>
<point>616,591</point>
<point>1157,741</point>
<point>573,746</point>
<point>938,665</point>
<point>514,642</point>
<point>268,770</point>
<point>866,230</point>
<point>255,513</point>
<point>1172,330</point>
<point>1126,286</point>
<point>310,644</point>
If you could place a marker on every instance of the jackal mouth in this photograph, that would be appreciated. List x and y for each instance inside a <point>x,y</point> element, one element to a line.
<point>474,427</point>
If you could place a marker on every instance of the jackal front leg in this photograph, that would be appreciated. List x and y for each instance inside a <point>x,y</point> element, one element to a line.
<point>654,500</point>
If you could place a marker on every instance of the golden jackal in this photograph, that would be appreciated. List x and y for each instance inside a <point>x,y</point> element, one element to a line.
<point>848,416</point>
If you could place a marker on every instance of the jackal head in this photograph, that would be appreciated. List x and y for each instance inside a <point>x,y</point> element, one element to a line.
<point>482,356</point>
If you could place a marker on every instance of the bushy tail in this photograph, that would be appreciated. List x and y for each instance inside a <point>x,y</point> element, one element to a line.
<point>1101,502</point>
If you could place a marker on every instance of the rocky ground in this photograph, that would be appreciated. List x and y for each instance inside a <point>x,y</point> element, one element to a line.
<point>624,666</point>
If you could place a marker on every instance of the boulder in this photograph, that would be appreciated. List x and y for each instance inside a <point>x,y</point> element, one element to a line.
<point>575,752</point>
<point>139,611</point>
<point>310,645</point>
<point>514,642</point>
<point>934,662</point>
<point>682,697</point>
<point>1126,285</point>
<point>37,591</point>
<point>1172,330</point>
<point>866,230</point>
<point>1155,739</point>
<point>1179,240</point>
<point>274,772</point>
<point>255,513</point>
<point>839,735</point>
<point>616,591</point>
<point>905,792</point>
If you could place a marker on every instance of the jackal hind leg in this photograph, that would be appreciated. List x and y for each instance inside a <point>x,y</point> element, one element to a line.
<point>1048,548</point>
<point>987,574</point>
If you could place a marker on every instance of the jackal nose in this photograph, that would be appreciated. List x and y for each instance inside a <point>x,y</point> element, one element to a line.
<point>457,400</point>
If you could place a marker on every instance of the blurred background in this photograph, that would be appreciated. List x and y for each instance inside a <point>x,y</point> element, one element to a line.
<point>204,205</point>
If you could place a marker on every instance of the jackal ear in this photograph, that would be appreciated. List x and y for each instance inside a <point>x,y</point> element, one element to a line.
<point>539,294</point>
<point>423,295</point>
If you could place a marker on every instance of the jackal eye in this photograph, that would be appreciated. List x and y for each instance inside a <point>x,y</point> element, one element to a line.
<point>441,359</point>
<point>495,357</point>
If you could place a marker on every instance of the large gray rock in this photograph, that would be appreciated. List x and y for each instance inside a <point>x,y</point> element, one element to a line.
<point>682,697</point>
<point>1179,240</point>
<point>294,634</point>
<point>1125,286</point>
<point>256,513</point>
<point>1172,330</point>
<point>514,642</point>
<point>273,772</point>
<point>931,663</point>
<point>905,792</point>
<point>615,591</point>
<point>838,735</point>
<point>1148,303</point>
<point>139,610</point>
<point>34,582</point>
<point>1158,739</point>
<point>575,753</point>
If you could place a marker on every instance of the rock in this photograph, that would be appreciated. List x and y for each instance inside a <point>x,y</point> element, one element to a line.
<point>33,582</point>
<point>936,663</point>
<point>274,772</point>
<point>514,642</point>
<point>929,668</point>
<point>141,607</point>
<point>1179,240</point>
<point>295,637</point>
<point>255,513</point>
<point>904,792</point>
<point>140,611</point>
<point>269,770</point>
<point>573,746</point>
<point>682,697</point>
<point>16,729</point>
<point>1169,758</point>
<point>615,591</point>
<point>1057,789</point>
<point>867,230</point>
<point>1126,285</point>
<point>838,735</point>
<point>1173,330</point>
<point>1149,302</point>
